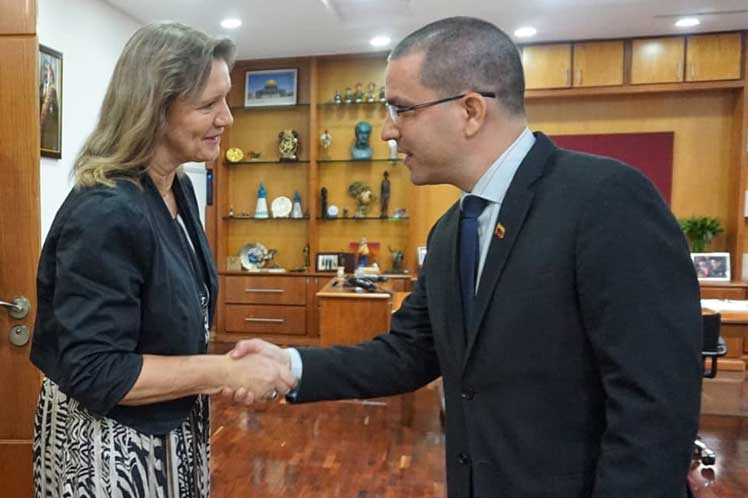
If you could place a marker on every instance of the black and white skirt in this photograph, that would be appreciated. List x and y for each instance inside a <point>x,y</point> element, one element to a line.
<point>79,455</point>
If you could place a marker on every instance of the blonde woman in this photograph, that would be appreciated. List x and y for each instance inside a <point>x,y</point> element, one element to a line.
<point>127,287</point>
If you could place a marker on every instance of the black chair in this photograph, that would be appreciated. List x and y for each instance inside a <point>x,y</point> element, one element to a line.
<point>714,348</point>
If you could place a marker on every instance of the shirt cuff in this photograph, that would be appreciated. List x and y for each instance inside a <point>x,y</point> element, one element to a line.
<point>296,364</point>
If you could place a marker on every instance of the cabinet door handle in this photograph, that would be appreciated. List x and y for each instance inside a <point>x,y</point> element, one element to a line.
<point>266,291</point>
<point>567,76</point>
<point>679,72</point>
<point>693,71</point>
<point>265,320</point>
<point>579,77</point>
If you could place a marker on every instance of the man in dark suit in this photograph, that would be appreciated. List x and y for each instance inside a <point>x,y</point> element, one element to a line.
<point>557,300</point>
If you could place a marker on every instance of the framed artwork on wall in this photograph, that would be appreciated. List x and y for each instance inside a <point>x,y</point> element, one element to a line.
<point>274,87</point>
<point>50,101</point>
<point>712,266</point>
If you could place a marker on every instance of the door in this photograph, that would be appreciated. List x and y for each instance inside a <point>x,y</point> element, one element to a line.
<point>657,60</point>
<point>547,66</point>
<point>713,57</point>
<point>19,237</point>
<point>598,64</point>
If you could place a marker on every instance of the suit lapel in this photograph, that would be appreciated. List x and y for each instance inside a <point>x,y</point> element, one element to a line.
<point>514,210</point>
<point>453,314</point>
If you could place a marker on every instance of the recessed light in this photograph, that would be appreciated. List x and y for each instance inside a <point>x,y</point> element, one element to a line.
<point>525,32</point>
<point>380,41</point>
<point>687,22</point>
<point>231,23</point>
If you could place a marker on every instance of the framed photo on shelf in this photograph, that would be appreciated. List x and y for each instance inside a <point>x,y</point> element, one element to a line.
<point>273,87</point>
<point>328,261</point>
<point>50,101</point>
<point>421,255</point>
<point>712,266</point>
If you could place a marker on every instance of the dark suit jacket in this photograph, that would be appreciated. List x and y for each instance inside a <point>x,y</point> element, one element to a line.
<point>114,284</point>
<point>581,375</point>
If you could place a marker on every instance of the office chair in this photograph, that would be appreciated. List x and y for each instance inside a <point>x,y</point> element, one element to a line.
<point>714,348</point>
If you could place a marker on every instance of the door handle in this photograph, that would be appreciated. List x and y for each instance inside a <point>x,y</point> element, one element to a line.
<point>18,308</point>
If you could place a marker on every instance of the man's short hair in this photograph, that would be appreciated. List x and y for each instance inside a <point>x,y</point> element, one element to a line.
<point>465,53</point>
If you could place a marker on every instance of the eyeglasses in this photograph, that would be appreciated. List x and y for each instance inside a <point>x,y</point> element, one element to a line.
<point>395,110</point>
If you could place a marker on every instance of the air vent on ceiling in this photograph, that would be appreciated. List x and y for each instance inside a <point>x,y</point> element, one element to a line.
<point>353,10</point>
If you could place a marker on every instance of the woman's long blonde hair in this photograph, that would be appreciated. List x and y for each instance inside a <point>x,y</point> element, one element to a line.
<point>160,63</point>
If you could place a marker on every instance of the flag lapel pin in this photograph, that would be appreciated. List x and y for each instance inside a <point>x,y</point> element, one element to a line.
<point>500,231</point>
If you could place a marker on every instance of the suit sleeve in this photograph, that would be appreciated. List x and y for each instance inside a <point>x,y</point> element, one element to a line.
<point>640,303</point>
<point>400,361</point>
<point>101,260</point>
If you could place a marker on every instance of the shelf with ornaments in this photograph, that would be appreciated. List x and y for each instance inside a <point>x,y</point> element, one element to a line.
<point>293,107</point>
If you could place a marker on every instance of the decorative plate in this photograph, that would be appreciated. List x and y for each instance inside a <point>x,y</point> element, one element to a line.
<point>253,255</point>
<point>281,207</point>
<point>234,155</point>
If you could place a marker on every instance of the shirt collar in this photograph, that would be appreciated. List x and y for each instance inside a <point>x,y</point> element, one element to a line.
<point>494,183</point>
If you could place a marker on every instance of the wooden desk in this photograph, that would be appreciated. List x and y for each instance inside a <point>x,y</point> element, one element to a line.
<point>348,317</point>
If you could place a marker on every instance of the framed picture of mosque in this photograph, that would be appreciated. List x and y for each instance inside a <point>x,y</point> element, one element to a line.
<point>50,101</point>
<point>274,87</point>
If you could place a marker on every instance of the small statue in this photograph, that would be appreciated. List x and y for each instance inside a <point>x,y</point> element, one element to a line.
<point>296,211</point>
<point>382,98</point>
<point>255,156</point>
<point>231,211</point>
<point>288,145</point>
<point>338,99</point>
<point>261,211</point>
<point>323,202</point>
<point>392,143</point>
<point>361,150</point>
<point>371,90</point>
<point>363,196</point>
<point>348,95</point>
<point>306,256</point>
<point>325,140</point>
<point>384,195</point>
<point>363,253</point>
<point>398,257</point>
<point>345,212</point>
<point>358,95</point>
<point>268,260</point>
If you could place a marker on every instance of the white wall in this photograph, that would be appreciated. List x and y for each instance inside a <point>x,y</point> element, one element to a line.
<point>90,34</point>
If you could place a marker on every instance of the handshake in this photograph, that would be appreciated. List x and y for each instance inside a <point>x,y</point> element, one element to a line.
<point>257,371</point>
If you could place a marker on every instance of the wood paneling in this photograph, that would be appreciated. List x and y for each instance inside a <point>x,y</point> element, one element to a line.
<point>657,60</point>
<point>265,289</point>
<point>598,64</point>
<point>713,57</point>
<point>17,17</point>
<point>15,462</point>
<point>352,320</point>
<point>547,66</point>
<point>722,293</point>
<point>254,319</point>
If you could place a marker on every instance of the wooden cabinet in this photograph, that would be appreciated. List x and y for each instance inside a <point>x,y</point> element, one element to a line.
<point>713,57</point>
<point>547,66</point>
<point>265,289</point>
<point>657,60</point>
<point>598,63</point>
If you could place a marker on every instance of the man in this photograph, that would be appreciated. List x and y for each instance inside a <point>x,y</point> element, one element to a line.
<point>568,371</point>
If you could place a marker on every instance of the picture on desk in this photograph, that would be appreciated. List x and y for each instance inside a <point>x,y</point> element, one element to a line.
<point>712,266</point>
<point>328,261</point>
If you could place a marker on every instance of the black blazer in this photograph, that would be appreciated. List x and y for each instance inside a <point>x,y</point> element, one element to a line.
<point>114,284</point>
<point>581,375</point>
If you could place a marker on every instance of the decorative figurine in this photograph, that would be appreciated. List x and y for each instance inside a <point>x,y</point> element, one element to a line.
<point>261,211</point>
<point>363,253</point>
<point>231,211</point>
<point>371,92</point>
<point>234,155</point>
<point>361,150</point>
<point>398,257</point>
<point>345,212</point>
<point>400,214</point>
<point>255,156</point>
<point>392,143</point>
<point>332,211</point>
<point>384,196</point>
<point>363,196</point>
<point>323,202</point>
<point>288,145</point>
<point>325,140</point>
<point>348,95</point>
<point>296,212</point>
<point>382,98</point>
<point>358,95</point>
<point>306,256</point>
<point>338,99</point>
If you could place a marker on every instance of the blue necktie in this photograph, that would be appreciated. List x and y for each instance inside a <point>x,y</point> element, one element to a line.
<point>472,207</point>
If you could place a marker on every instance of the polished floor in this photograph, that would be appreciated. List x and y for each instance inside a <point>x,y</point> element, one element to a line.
<point>361,450</point>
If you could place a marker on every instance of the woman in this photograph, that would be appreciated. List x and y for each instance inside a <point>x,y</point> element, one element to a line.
<point>127,287</point>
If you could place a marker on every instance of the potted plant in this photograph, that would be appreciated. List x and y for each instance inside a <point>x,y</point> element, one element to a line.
<point>700,230</point>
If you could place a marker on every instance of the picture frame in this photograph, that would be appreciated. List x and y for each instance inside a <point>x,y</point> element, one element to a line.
<point>50,101</point>
<point>421,255</point>
<point>271,88</point>
<point>328,261</point>
<point>711,266</point>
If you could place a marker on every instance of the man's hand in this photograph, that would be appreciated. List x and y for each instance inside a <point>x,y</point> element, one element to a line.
<point>269,351</point>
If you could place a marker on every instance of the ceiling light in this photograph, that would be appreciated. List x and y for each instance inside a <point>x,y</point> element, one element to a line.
<point>231,23</point>
<point>687,22</point>
<point>525,32</point>
<point>380,41</point>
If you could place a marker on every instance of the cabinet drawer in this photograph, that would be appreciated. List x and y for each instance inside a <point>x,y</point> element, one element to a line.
<point>265,290</point>
<point>722,293</point>
<point>266,319</point>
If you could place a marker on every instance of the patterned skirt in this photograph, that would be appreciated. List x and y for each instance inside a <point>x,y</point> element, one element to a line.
<point>79,455</point>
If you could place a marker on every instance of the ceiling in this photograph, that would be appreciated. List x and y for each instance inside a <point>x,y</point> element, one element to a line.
<point>283,28</point>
